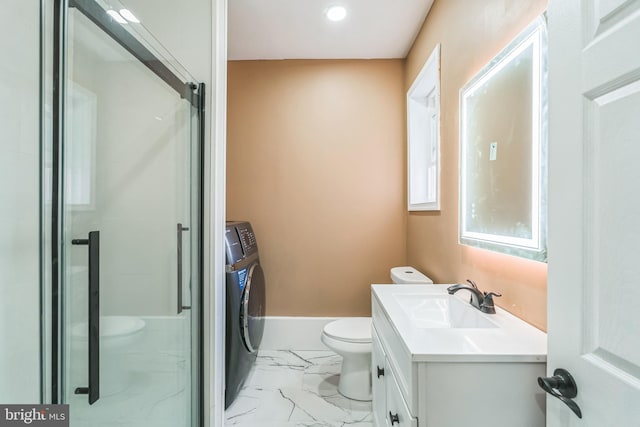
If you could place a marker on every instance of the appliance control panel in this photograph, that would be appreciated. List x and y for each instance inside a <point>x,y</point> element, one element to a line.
<point>233,246</point>
<point>247,238</point>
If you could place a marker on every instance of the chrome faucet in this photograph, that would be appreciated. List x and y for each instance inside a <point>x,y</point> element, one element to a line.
<point>483,301</point>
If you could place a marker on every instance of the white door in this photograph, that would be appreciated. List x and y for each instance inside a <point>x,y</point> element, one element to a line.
<point>594,209</point>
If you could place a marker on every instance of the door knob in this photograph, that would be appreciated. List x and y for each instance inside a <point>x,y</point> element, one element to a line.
<point>380,371</point>
<point>563,386</point>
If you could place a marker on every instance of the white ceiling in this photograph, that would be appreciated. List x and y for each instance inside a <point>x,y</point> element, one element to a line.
<point>298,29</point>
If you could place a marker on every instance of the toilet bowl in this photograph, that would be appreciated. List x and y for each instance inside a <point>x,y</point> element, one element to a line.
<point>351,338</point>
<point>117,336</point>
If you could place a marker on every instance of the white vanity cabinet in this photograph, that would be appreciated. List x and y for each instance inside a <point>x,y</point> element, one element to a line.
<point>471,387</point>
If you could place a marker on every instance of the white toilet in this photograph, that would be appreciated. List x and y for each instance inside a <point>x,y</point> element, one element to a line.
<point>351,338</point>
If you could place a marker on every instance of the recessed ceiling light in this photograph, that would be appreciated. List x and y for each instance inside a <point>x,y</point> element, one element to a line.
<point>336,13</point>
<point>116,16</point>
<point>126,14</point>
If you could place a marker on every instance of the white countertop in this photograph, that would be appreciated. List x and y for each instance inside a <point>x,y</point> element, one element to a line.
<point>513,340</point>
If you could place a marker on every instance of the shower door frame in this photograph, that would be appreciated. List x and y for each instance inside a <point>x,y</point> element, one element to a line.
<point>195,95</point>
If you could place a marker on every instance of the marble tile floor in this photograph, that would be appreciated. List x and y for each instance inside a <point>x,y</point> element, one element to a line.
<point>156,394</point>
<point>296,389</point>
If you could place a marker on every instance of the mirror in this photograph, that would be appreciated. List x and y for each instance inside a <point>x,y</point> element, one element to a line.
<point>503,150</point>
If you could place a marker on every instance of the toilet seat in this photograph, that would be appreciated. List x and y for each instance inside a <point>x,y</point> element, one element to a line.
<point>350,329</point>
<point>346,347</point>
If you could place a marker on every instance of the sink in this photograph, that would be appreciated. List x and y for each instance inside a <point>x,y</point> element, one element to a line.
<point>437,350</point>
<point>441,311</point>
<point>433,326</point>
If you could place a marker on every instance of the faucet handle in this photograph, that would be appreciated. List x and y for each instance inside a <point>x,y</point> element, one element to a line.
<point>472,283</point>
<point>487,304</point>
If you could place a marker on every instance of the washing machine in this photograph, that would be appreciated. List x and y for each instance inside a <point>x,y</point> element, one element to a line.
<point>245,305</point>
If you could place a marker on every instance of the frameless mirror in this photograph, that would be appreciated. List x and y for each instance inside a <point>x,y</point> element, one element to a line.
<point>503,132</point>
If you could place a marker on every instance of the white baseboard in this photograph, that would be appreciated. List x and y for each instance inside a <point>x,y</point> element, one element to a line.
<point>294,333</point>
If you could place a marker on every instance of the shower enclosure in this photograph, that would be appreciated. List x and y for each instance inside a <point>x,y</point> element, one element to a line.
<point>101,244</point>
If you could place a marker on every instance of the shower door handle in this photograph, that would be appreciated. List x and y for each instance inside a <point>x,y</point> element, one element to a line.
<point>93,390</point>
<point>180,306</point>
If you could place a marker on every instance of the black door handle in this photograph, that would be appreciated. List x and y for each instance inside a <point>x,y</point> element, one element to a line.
<point>394,418</point>
<point>179,268</point>
<point>93,390</point>
<point>563,386</point>
<point>380,371</point>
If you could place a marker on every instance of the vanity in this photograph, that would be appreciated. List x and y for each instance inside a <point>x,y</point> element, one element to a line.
<point>439,362</point>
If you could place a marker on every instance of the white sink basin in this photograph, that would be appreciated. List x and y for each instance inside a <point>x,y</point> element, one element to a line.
<point>434,326</point>
<point>441,311</point>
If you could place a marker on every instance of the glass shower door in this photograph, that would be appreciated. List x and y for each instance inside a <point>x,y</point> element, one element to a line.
<point>130,236</point>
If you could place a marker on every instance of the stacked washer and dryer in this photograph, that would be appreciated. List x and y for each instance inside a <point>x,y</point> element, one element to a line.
<point>245,305</point>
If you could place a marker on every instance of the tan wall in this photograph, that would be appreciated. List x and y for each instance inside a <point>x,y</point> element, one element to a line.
<point>471,33</point>
<point>315,161</point>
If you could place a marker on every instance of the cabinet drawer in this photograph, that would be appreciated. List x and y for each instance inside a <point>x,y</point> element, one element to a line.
<point>398,358</point>
<point>398,414</point>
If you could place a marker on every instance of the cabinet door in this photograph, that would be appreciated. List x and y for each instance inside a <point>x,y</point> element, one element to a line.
<point>398,414</point>
<point>378,372</point>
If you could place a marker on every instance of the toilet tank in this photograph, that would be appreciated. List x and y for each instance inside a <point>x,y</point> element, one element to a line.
<point>409,276</point>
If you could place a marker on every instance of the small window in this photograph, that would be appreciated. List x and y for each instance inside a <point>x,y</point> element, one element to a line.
<point>423,137</point>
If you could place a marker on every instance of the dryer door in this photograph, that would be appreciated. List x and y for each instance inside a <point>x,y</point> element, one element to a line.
<point>253,307</point>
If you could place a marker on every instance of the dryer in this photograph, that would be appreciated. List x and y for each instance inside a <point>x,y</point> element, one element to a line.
<point>245,305</point>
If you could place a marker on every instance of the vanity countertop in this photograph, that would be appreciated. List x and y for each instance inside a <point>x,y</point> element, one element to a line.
<point>511,340</point>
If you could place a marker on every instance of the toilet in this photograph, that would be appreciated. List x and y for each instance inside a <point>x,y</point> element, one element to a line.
<point>351,338</point>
